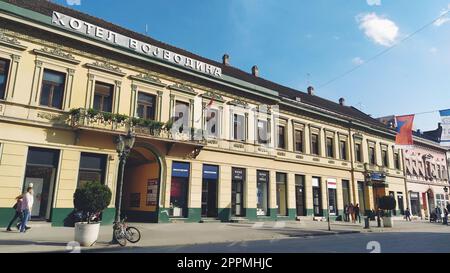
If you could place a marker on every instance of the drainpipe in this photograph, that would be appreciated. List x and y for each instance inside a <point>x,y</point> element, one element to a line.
<point>406,181</point>
<point>352,163</point>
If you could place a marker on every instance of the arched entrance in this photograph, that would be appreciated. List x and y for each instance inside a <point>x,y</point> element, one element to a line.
<point>142,184</point>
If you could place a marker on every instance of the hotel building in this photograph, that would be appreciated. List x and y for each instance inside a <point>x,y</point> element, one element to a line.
<point>212,142</point>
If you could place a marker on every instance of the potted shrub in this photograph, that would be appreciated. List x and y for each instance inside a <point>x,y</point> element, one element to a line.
<point>90,199</point>
<point>387,204</point>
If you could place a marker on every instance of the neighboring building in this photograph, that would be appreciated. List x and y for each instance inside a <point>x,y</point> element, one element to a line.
<point>212,141</point>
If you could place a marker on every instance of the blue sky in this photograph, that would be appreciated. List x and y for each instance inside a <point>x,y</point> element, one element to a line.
<point>292,39</point>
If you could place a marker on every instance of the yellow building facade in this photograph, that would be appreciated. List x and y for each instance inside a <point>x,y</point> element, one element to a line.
<point>71,83</point>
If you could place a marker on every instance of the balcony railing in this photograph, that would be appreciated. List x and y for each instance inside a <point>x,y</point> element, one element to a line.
<point>104,121</point>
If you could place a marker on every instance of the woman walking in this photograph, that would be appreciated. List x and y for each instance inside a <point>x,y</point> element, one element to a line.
<point>18,212</point>
<point>27,206</point>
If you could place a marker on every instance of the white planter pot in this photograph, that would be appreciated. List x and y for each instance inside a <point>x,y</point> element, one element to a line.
<point>388,222</point>
<point>86,234</point>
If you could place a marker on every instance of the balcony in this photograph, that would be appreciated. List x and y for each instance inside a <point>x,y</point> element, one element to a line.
<point>90,119</point>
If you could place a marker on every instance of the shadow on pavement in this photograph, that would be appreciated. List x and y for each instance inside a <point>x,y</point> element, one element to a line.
<point>24,242</point>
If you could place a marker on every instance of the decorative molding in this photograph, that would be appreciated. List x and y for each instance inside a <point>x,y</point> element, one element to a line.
<point>91,76</point>
<point>107,67</point>
<point>39,63</point>
<point>71,71</point>
<point>15,58</point>
<point>148,78</point>
<point>183,88</point>
<point>118,83</point>
<point>238,102</point>
<point>134,87</point>
<point>213,95</point>
<point>56,53</point>
<point>11,42</point>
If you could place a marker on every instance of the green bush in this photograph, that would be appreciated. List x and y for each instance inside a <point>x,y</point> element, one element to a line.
<point>92,113</point>
<point>91,198</point>
<point>387,203</point>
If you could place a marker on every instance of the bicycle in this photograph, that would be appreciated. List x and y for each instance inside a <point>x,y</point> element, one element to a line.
<point>124,233</point>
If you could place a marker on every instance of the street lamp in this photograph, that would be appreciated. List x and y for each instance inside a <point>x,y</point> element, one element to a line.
<point>124,144</point>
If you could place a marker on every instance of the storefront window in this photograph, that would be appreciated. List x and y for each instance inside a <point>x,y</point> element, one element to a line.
<point>4,69</point>
<point>103,97</point>
<point>300,195</point>
<point>346,192</point>
<point>415,203</point>
<point>179,189</point>
<point>209,190</point>
<point>362,197</point>
<point>146,106</point>
<point>41,169</point>
<point>52,92</point>
<point>317,196</point>
<point>400,203</point>
<point>92,168</point>
<point>262,193</point>
<point>282,194</point>
<point>237,191</point>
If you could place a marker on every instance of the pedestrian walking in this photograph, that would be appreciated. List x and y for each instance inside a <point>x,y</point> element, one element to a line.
<point>357,213</point>
<point>346,218</point>
<point>18,212</point>
<point>27,206</point>
<point>407,215</point>
<point>438,214</point>
<point>351,212</point>
<point>445,220</point>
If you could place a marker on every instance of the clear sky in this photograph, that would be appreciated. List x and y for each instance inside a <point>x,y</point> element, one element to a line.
<point>297,43</point>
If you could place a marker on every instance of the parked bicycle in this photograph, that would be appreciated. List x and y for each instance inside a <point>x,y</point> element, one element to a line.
<point>124,233</point>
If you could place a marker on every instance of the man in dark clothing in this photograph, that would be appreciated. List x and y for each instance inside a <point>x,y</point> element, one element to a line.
<point>18,212</point>
<point>407,215</point>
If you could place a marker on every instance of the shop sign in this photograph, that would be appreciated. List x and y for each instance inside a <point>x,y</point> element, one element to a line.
<point>152,192</point>
<point>210,172</point>
<point>238,174</point>
<point>116,39</point>
<point>180,169</point>
<point>263,176</point>
<point>331,183</point>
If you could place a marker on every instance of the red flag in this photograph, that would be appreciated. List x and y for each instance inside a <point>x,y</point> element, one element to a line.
<point>404,130</point>
<point>210,103</point>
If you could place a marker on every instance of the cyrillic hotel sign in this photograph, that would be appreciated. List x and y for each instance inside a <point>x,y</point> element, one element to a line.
<point>114,38</point>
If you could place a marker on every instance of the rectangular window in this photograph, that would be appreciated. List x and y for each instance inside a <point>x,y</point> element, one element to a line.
<point>52,92</point>
<point>315,144</point>
<point>146,106</point>
<point>262,193</point>
<point>362,197</point>
<point>103,97</point>
<point>343,149</point>
<point>384,157</point>
<point>317,196</point>
<point>263,132</point>
<point>92,168</point>
<point>300,195</point>
<point>330,147</point>
<point>282,194</point>
<point>281,144</point>
<point>358,152</point>
<point>346,192</point>
<point>332,201</point>
<point>298,139</point>
<point>212,123</point>
<point>181,116</point>
<point>4,69</point>
<point>397,161</point>
<point>372,159</point>
<point>239,127</point>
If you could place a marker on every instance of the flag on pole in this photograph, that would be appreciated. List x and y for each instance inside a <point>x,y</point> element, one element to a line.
<point>404,130</point>
<point>445,137</point>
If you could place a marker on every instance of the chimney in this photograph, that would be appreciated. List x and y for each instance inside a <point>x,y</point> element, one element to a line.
<point>311,90</point>
<point>255,71</point>
<point>226,59</point>
<point>342,101</point>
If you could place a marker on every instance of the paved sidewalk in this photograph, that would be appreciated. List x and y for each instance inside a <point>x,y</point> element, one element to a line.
<point>44,238</point>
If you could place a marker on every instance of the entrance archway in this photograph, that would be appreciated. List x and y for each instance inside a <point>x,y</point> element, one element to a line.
<point>142,184</point>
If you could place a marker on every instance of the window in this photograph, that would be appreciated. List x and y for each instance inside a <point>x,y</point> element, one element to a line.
<point>358,151</point>
<point>146,106</point>
<point>384,157</point>
<point>346,192</point>
<point>181,116</point>
<point>281,194</point>
<point>330,147</point>
<point>281,144</point>
<point>263,133</point>
<point>92,168</point>
<point>372,159</point>
<point>315,144</point>
<point>239,127</point>
<point>103,97</point>
<point>332,201</point>
<point>397,161</point>
<point>298,139</point>
<point>343,149</point>
<point>317,196</point>
<point>52,91</point>
<point>4,68</point>
<point>212,122</point>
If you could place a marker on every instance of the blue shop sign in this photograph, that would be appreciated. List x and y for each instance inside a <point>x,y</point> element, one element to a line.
<point>180,169</point>
<point>377,176</point>
<point>210,172</point>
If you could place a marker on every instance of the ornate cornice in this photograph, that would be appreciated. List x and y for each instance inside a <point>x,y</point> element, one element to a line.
<point>238,102</point>
<point>148,78</point>
<point>183,88</point>
<point>107,67</point>
<point>213,95</point>
<point>11,41</point>
<point>57,53</point>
